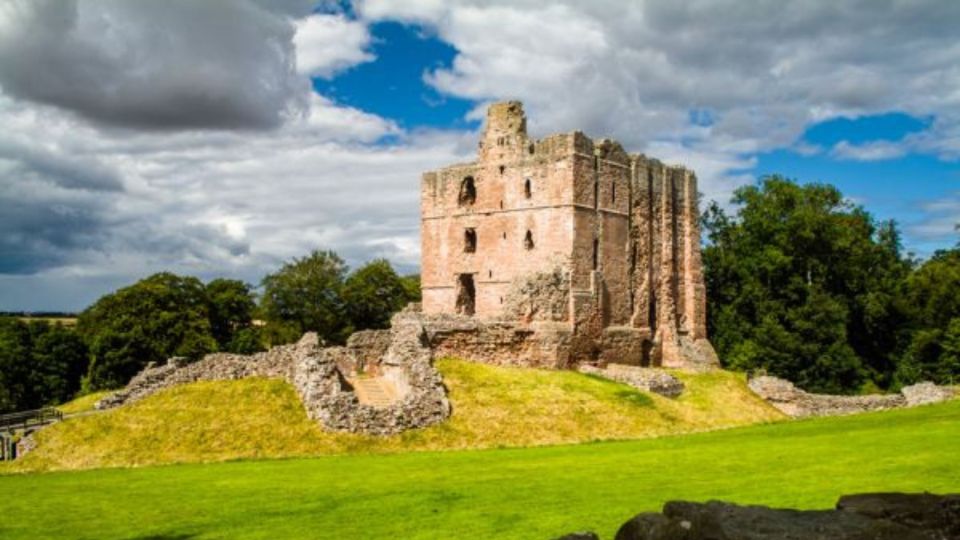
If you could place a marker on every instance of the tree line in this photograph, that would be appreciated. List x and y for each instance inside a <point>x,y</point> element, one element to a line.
<point>801,283</point>
<point>167,315</point>
<point>806,285</point>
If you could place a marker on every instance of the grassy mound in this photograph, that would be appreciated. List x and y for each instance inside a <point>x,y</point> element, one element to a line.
<point>500,493</point>
<point>493,407</point>
<point>82,404</point>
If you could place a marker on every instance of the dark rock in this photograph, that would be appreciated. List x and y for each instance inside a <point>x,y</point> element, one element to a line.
<point>937,514</point>
<point>857,517</point>
<point>579,536</point>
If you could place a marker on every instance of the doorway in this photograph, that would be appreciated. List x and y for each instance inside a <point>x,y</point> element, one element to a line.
<point>466,295</point>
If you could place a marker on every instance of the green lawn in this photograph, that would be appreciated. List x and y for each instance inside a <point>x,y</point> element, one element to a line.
<point>533,493</point>
<point>493,406</point>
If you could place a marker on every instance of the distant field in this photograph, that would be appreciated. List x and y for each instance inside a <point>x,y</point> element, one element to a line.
<point>493,407</point>
<point>535,493</point>
<point>65,321</point>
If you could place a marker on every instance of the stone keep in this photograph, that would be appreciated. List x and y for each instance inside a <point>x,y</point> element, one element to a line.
<point>593,251</point>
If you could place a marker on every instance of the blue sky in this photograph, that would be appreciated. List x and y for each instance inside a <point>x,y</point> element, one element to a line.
<point>222,139</point>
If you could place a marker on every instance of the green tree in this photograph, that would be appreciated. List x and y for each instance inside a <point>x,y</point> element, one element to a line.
<point>232,304</point>
<point>804,284</point>
<point>411,284</point>
<point>40,364</point>
<point>59,362</point>
<point>158,317</point>
<point>373,293</point>
<point>305,295</point>
<point>14,365</point>
<point>932,298</point>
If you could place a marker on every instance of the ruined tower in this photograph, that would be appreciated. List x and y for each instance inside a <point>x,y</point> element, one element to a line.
<point>590,252</point>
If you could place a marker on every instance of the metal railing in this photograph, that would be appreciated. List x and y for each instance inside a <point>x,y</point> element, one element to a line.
<point>29,419</point>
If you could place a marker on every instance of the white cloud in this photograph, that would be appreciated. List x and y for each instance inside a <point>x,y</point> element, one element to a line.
<point>204,203</point>
<point>764,71</point>
<point>327,44</point>
<point>869,151</point>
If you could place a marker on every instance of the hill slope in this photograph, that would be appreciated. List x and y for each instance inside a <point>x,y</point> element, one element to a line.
<point>501,493</point>
<point>493,407</point>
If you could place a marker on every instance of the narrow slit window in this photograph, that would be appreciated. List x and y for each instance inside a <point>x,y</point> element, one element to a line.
<point>470,241</point>
<point>596,253</point>
<point>527,188</point>
<point>528,240</point>
<point>613,193</point>
<point>502,169</point>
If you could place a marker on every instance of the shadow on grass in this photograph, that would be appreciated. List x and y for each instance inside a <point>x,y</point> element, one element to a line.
<point>635,398</point>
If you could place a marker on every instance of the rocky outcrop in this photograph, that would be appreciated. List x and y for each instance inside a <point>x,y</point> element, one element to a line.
<point>792,401</point>
<point>646,379</point>
<point>877,516</point>
<point>321,377</point>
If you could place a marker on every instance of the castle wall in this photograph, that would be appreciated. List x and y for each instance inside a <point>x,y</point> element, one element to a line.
<point>621,230</point>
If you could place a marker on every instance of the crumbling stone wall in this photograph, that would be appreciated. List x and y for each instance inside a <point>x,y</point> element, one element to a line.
<point>320,376</point>
<point>646,379</point>
<point>792,401</point>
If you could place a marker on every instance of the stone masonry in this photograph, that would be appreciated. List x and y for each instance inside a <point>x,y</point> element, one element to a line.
<point>324,376</point>
<point>590,252</point>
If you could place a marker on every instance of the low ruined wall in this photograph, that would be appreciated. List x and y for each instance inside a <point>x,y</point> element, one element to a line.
<point>275,363</point>
<point>795,402</point>
<point>545,345</point>
<point>329,400</point>
<point>319,376</point>
<point>646,379</point>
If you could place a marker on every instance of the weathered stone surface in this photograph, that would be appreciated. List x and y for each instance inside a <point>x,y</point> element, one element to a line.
<point>795,402</point>
<point>407,363</point>
<point>857,517</point>
<point>319,375</point>
<point>646,379</point>
<point>572,231</point>
<point>926,392</point>
<point>275,363</point>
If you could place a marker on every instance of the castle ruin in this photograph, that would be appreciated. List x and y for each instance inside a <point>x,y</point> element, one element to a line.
<point>592,253</point>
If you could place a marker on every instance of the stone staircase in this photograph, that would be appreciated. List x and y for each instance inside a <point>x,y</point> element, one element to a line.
<point>374,391</point>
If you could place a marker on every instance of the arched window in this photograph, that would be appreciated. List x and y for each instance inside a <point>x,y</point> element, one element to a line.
<point>469,241</point>
<point>531,148</point>
<point>526,188</point>
<point>528,240</point>
<point>468,192</point>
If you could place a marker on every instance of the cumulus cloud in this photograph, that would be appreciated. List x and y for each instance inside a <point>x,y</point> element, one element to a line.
<point>100,208</point>
<point>329,43</point>
<point>170,64</point>
<point>761,72</point>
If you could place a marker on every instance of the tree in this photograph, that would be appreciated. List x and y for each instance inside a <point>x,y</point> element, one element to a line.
<point>59,362</point>
<point>14,365</point>
<point>158,317</point>
<point>804,284</point>
<point>232,305</point>
<point>40,364</point>
<point>305,295</point>
<point>932,298</point>
<point>373,293</point>
<point>411,284</point>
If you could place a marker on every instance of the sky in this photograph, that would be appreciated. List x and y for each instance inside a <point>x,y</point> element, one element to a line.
<point>224,137</point>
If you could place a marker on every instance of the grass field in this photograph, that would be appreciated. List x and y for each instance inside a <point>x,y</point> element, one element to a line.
<point>535,493</point>
<point>493,407</point>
